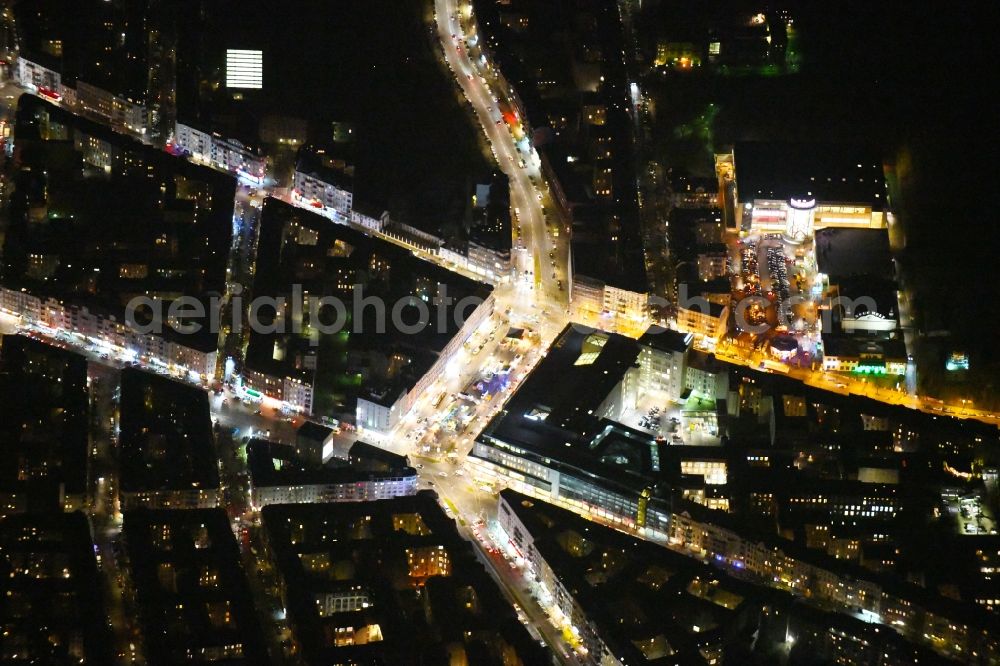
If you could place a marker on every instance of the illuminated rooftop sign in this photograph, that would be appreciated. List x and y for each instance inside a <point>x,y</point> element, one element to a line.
<point>244,69</point>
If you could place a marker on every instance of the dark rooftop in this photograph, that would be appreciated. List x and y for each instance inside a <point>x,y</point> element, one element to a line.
<point>52,607</point>
<point>490,226</point>
<point>194,601</point>
<point>389,582</point>
<point>365,454</point>
<point>705,362</point>
<point>314,431</point>
<point>616,264</point>
<point>784,343</point>
<point>153,224</point>
<point>43,422</point>
<point>846,252</point>
<point>262,455</point>
<point>166,439</point>
<point>325,166</point>
<point>854,345</point>
<point>830,173</point>
<point>685,240</point>
<point>563,392</point>
<point>693,288</point>
<point>298,247</point>
<point>665,339</point>
<point>880,290</point>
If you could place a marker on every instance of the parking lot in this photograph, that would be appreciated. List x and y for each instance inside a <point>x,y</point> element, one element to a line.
<point>688,422</point>
<point>972,515</point>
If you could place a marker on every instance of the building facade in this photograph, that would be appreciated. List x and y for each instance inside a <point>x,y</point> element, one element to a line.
<point>333,196</point>
<point>295,391</point>
<point>565,599</point>
<point>195,498</point>
<point>662,369</point>
<point>121,113</point>
<point>225,154</point>
<point>365,488</point>
<point>710,323</point>
<point>795,189</point>
<point>33,75</point>
<point>55,316</point>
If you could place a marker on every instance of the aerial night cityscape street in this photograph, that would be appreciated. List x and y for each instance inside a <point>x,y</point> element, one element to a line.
<point>498,332</point>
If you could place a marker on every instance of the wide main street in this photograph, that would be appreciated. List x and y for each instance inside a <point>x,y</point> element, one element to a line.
<point>546,255</point>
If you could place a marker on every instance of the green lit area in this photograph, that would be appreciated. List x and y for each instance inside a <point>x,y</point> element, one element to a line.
<point>697,402</point>
<point>871,370</point>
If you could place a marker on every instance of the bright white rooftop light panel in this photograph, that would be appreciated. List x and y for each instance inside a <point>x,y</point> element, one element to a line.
<point>244,69</point>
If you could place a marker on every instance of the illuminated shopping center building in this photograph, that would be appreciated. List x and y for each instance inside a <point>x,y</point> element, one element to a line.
<point>562,435</point>
<point>795,188</point>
